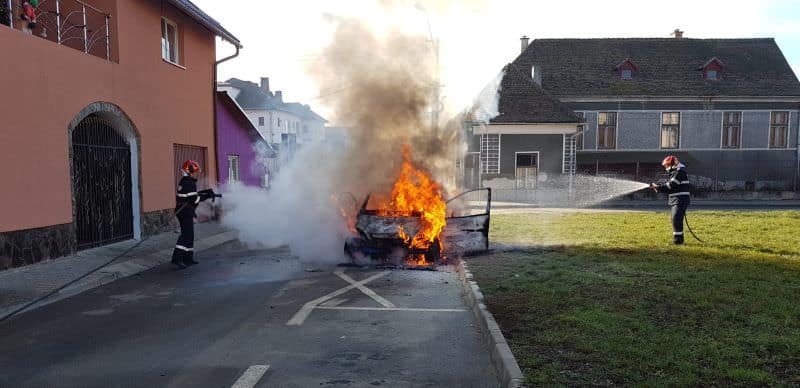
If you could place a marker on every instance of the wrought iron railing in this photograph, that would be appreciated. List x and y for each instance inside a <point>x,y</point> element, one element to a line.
<point>71,23</point>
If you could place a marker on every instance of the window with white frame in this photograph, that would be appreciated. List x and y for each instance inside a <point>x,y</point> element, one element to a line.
<point>490,153</point>
<point>607,130</point>
<point>778,129</point>
<point>169,41</point>
<point>233,168</point>
<point>261,121</point>
<point>731,129</point>
<point>670,129</point>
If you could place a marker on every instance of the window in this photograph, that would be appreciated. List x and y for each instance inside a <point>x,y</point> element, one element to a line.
<point>607,130</point>
<point>778,129</point>
<point>526,169</point>
<point>711,75</point>
<point>169,41</point>
<point>581,128</point>
<point>626,74</point>
<point>670,129</point>
<point>731,129</point>
<point>279,122</point>
<point>490,154</point>
<point>233,168</point>
<point>261,121</point>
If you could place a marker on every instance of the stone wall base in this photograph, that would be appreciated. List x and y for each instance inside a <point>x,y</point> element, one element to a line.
<point>158,221</point>
<point>29,246</point>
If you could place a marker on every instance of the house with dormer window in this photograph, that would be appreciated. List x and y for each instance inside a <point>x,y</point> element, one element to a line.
<point>728,108</point>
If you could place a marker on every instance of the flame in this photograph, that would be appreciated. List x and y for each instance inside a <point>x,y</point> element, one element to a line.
<point>415,193</point>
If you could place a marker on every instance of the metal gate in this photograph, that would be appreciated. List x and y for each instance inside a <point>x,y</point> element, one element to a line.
<point>101,180</point>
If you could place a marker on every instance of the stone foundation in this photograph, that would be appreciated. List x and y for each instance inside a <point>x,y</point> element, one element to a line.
<point>25,247</point>
<point>158,221</point>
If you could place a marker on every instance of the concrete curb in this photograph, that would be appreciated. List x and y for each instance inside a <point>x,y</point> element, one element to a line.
<point>505,364</point>
<point>124,269</point>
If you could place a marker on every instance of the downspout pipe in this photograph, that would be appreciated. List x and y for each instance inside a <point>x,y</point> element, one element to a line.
<point>214,101</point>
<point>797,151</point>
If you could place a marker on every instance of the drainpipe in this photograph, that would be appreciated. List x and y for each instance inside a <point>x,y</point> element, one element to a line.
<point>797,140</point>
<point>214,100</point>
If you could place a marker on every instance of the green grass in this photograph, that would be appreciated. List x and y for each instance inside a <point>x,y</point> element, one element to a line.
<point>604,298</point>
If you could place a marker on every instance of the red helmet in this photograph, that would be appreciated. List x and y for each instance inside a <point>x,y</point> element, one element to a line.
<point>670,161</point>
<point>190,166</point>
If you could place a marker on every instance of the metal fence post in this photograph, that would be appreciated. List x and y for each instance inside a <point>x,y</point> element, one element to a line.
<point>10,13</point>
<point>58,21</point>
<point>108,41</point>
<point>85,34</point>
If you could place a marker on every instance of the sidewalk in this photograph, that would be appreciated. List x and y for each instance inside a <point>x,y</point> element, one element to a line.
<point>20,286</point>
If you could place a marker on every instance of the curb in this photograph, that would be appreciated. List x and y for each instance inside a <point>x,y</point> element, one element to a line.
<point>505,364</point>
<point>124,269</point>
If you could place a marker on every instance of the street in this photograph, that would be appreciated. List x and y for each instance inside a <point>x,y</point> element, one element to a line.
<point>252,318</point>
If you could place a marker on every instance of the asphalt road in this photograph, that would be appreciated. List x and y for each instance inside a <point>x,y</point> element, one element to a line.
<point>224,321</point>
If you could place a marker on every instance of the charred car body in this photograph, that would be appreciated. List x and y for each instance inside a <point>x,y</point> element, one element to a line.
<point>387,238</point>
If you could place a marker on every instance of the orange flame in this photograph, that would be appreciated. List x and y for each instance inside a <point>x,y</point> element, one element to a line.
<point>415,193</point>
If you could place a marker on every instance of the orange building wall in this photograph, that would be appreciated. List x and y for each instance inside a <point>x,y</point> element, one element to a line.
<point>43,86</point>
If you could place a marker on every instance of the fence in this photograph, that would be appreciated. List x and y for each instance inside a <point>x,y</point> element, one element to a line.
<point>71,23</point>
<point>714,176</point>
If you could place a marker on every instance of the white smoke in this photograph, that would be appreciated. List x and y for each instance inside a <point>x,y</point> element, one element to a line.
<point>299,209</point>
<point>486,105</point>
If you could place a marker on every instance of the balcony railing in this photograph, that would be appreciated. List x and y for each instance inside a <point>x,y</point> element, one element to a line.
<point>71,23</point>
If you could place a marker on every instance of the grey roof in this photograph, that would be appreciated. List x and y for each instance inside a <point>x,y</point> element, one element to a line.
<point>667,67</point>
<point>252,97</point>
<point>523,101</point>
<point>207,21</point>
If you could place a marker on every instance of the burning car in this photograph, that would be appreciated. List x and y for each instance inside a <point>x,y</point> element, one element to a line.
<point>410,226</point>
<point>401,239</point>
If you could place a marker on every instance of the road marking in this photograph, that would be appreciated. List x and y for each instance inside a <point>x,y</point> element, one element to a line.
<point>251,376</point>
<point>390,309</point>
<point>365,290</point>
<point>304,312</point>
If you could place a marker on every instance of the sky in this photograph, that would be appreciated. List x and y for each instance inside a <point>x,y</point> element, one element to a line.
<point>283,39</point>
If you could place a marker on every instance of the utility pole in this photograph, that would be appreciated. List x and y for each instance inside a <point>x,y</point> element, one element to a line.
<point>436,97</point>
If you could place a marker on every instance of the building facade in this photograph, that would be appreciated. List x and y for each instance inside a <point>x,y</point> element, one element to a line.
<point>97,116</point>
<point>242,154</point>
<point>728,108</point>
<point>282,124</point>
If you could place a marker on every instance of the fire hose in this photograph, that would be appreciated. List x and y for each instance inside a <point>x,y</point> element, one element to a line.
<point>209,193</point>
<point>686,219</point>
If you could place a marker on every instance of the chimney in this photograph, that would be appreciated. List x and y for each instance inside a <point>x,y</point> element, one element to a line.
<point>523,43</point>
<point>265,85</point>
<point>279,96</point>
<point>678,34</point>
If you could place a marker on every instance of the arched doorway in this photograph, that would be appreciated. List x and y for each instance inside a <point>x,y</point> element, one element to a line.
<point>104,149</point>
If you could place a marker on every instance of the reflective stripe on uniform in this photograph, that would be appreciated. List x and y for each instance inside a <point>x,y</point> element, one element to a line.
<point>197,200</point>
<point>183,248</point>
<point>677,233</point>
<point>677,194</point>
<point>187,194</point>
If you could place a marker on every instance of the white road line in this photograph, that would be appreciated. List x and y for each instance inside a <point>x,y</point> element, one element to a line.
<point>365,290</point>
<point>301,315</point>
<point>251,376</point>
<point>390,309</point>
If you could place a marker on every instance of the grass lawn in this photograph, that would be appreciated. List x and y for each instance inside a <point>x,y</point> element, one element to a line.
<point>605,298</point>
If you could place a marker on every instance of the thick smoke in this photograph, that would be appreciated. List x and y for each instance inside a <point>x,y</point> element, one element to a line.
<point>384,91</point>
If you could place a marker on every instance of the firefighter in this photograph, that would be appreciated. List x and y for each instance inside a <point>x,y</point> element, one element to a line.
<point>186,200</point>
<point>677,187</point>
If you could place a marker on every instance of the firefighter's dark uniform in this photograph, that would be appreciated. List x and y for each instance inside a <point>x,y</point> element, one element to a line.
<point>186,201</point>
<point>677,187</point>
